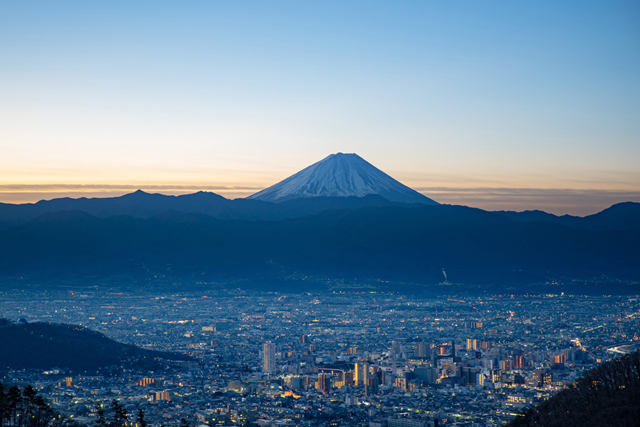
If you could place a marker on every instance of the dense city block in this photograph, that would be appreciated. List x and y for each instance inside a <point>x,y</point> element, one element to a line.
<point>335,359</point>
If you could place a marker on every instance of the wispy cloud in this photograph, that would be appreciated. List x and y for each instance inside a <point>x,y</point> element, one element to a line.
<point>30,193</point>
<point>6,188</point>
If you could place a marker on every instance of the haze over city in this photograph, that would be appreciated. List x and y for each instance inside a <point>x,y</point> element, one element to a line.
<point>498,106</point>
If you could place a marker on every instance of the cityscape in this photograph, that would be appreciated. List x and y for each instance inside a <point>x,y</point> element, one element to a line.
<point>342,358</point>
<point>319,213</point>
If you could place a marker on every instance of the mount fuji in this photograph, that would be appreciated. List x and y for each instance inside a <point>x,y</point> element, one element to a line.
<point>341,175</point>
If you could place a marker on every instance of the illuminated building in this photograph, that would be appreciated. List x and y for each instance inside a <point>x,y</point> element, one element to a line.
<point>162,395</point>
<point>361,373</point>
<point>269,357</point>
<point>145,381</point>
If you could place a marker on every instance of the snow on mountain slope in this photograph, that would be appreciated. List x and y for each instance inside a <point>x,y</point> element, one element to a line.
<point>341,175</point>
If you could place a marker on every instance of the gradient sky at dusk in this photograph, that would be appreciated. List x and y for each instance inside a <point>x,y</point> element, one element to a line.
<point>499,105</point>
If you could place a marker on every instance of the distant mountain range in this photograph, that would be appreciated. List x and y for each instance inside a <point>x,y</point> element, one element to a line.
<point>144,205</point>
<point>622,216</point>
<point>340,181</point>
<point>52,345</point>
<point>203,236</point>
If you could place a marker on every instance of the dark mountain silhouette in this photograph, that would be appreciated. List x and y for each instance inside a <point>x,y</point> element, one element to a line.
<point>144,205</point>
<point>621,216</point>
<point>389,243</point>
<point>608,395</point>
<point>48,345</point>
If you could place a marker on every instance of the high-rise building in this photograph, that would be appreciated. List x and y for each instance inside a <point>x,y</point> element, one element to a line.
<point>518,362</point>
<point>297,383</point>
<point>394,356</point>
<point>372,386</point>
<point>470,375</point>
<point>428,375</point>
<point>322,383</point>
<point>269,357</point>
<point>162,395</point>
<point>145,382</point>
<point>485,345</point>
<point>361,373</point>
<point>400,383</point>
<point>348,379</point>
<point>424,349</point>
<point>341,380</point>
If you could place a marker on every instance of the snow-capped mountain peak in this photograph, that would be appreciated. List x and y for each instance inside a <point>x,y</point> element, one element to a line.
<point>341,175</point>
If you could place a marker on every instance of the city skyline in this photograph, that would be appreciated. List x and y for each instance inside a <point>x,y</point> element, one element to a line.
<point>350,357</point>
<point>495,106</point>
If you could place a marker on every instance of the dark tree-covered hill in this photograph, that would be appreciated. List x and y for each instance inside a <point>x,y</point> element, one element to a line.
<point>389,243</point>
<point>49,345</point>
<point>607,396</point>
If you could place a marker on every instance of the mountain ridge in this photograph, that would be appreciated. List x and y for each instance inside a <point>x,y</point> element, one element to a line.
<point>621,216</point>
<point>371,243</point>
<point>145,205</point>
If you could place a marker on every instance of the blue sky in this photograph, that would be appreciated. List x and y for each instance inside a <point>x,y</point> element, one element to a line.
<point>469,102</point>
